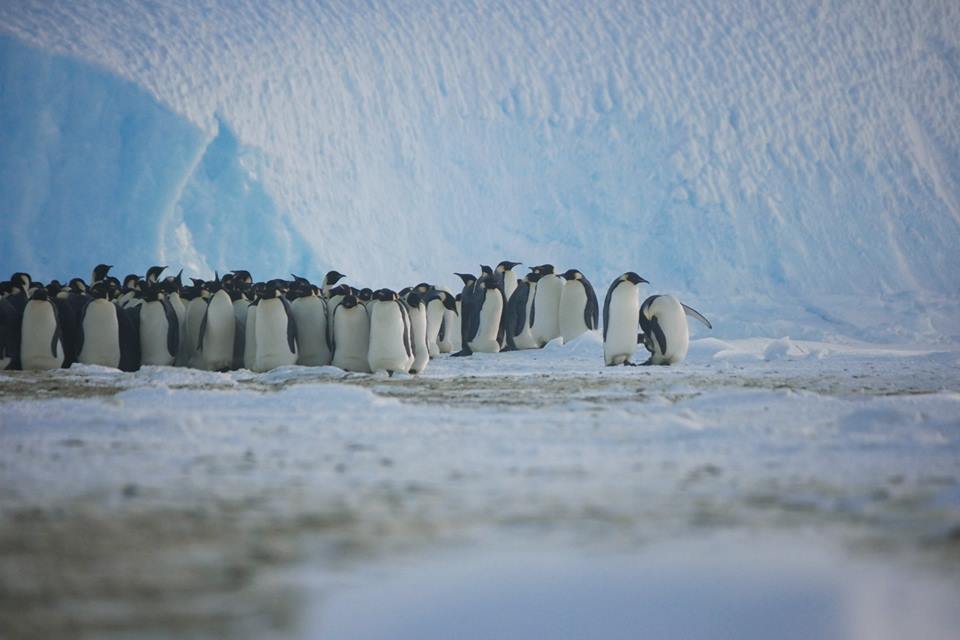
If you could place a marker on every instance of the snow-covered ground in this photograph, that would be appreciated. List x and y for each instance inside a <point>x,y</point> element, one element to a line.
<point>761,481</point>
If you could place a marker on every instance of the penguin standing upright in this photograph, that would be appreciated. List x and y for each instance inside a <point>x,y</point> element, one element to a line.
<point>621,311</point>
<point>99,330</point>
<point>10,320</point>
<point>489,333</point>
<point>196,308</point>
<point>173,286</point>
<point>351,330</point>
<point>469,312</point>
<point>417,312</point>
<point>158,327</point>
<point>517,321</point>
<point>506,278</point>
<point>217,331</point>
<point>666,335</point>
<point>546,306</point>
<point>238,299</point>
<point>578,311</point>
<point>390,349</point>
<point>310,314</point>
<point>439,303</point>
<point>41,346</point>
<point>276,330</point>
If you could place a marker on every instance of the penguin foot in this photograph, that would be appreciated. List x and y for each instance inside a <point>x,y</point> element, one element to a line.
<point>462,353</point>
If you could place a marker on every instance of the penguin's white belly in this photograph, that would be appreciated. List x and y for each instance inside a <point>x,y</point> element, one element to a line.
<point>451,332</point>
<point>240,331</point>
<point>620,342</point>
<point>546,324</point>
<point>153,335</point>
<point>273,348</point>
<point>101,335</point>
<point>250,338</point>
<point>216,352</point>
<point>673,323</point>
<point>573,302</point>
<point>310,314</point>
<point>37,330</point>
<point>418,338</point>
<point>189,340</point>
<point>435,316</point>
<point>486,339</point>
<point>352,332</point>
<point>509,284</point>
<point>387,350</point>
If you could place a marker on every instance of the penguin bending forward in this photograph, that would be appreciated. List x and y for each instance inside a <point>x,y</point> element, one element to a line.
<point>666,335</point>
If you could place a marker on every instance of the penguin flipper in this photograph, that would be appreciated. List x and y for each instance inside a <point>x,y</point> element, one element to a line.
<point>292,340</point>
<point>128,330</point>
<point>591,310</point>
<point>57,333</point>
<point>173,327</point>
<point>606,307</point>
<point>693,313</point>
<point>80,336</point>
<point>658,334</point>
<point>203,328</point>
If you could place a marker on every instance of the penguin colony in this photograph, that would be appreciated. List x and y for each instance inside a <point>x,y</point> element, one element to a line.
<point>231,322</point>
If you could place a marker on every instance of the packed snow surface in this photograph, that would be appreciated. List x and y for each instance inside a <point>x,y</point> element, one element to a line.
<point>761,154</point>
<point>501,495</point>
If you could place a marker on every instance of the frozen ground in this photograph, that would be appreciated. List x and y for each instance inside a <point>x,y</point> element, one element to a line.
<point>762,489</point>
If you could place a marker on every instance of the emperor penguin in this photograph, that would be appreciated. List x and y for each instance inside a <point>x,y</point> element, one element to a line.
<point>417,312</point>
<point>100,273</point>
<point>621,310</point>
<point>546,306</point>
<point>99,330</point>
<point>276,330</point>
<point>131,286</point>
<point>10,320</point>
<point>329,280</point>
<point>438,304</point>
<point>506,278</point>
<point>663,320</point>
<point>41,345</point>
<point>238,298</point>
<point>217,332</point>
<point>351,331</point>
<point>153,274</point>
<point>579,311</point>
<point>172,287</point>
<point>469,312</point>
<point>158,327</point>
<point>520,313</point>
<point>390,348</point>
<point>310,314</point>
<point>489,332</point>
<point>196,309</point>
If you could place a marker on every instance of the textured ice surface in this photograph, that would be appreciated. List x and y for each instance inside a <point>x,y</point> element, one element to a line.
<point>790,163</point>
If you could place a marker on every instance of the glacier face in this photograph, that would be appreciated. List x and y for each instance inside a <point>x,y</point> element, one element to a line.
<point>731,151</point>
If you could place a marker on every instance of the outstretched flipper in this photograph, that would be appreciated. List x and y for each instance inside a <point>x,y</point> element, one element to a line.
<point>693,313</point>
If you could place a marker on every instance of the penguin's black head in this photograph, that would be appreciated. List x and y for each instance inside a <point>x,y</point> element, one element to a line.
<point>243,276</point>
<point>171,285</point>
<point>468,278</point>
<point>545,269</point>
<point>300,280</point>
<point>486,270</point>
<point>349,302</point>
<point>153,273</point>
<point>414,299</point>
<point>365,295</point>
<point>100,272</point>
<point>489,283</point>
<point>333,277</point>
<point>21,279</point>
<point>506,265</point>
<point>40,294</point>
<point>572,274</point>
<point>633,278</point>
<point>150,291</point>
<point>403,292</point>
<point>534,276</point>
<point>130,281</point>
<point>384,295</point>
<point>99,290</point>
<point>423,288</point>
<point>77,285</point>
<point>53,288</point>
<point>449,302</point>
<point>340,290</point>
